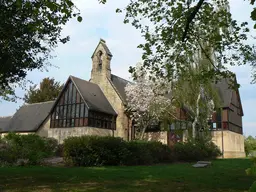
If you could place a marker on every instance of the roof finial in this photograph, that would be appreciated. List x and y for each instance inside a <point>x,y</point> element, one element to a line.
<point>102,40</point>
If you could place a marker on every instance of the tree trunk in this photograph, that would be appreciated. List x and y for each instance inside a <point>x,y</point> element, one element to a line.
<point>143,132</point>
<point>196,116</point>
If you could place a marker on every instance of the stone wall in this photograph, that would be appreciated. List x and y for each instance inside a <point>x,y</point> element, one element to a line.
<point>43,130</point>
<point>233,143</point>
<point>157,136</point>
<point>62,133</point>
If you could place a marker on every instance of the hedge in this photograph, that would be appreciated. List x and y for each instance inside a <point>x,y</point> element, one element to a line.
<point>101,151</point>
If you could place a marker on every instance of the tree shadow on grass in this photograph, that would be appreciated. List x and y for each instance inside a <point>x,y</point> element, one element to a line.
<point>224,175</point>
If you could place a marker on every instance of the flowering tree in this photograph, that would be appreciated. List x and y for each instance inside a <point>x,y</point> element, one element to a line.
<point>149,100</point>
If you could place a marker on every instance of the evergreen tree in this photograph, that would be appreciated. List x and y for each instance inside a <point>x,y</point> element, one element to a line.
<point>48,91</point>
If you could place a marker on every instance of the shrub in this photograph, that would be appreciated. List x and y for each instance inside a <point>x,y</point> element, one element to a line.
<point>196,150</point>
<point>98,151</point>
<point>148,152</point>
<point>94,150</point>
<point>29,147</point>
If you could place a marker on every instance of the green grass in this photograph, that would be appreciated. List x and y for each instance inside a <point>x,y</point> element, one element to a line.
<point>223,176</point>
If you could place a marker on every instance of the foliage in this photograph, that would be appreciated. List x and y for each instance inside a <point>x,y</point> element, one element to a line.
<point>249,145</point>
<point>176,31</point>
<point>93,150</point>
<point>48,91</point>
<point>199,96</point>
<point>31,147</point>
<point>195,150</point>
<point>147,153</point>
<point>30,30</point>
<point>100,151</point>
<point>148,101</point>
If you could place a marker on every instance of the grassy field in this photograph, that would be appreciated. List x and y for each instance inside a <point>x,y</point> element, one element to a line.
<point>223,176</point>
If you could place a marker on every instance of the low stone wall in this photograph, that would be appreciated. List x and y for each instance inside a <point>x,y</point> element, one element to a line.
<point>233,143</point>
<point>62,133</point>
<point>156,136</point>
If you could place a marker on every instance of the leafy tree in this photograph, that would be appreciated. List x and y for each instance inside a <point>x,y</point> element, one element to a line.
<point>49,90</point>
<point>175,30</point>
<point>249,145</point>
<point>198,95</point>
<point>29,30</point>
<point>147,101</point>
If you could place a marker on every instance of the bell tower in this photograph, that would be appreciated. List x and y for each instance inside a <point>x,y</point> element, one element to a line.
<point>101,59</point>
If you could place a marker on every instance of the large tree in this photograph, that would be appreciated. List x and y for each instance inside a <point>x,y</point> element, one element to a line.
<point>48,90</point>
<point>175,30</point>
<point>29,31</point>
<point>198,95</point>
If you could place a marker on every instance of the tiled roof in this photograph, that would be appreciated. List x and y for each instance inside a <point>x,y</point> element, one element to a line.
<point>93,96</point>
<point>29,117</point>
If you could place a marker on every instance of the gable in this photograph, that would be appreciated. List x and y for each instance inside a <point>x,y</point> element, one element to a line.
<point>236,104</point>
<point>68,108</point>
<point>93,96</point>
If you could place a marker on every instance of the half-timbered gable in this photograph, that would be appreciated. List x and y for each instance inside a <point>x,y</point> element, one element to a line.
<point>82,104</point>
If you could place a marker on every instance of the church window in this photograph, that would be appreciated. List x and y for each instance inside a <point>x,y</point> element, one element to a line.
<point>101,120</point>
<point>71,110</point>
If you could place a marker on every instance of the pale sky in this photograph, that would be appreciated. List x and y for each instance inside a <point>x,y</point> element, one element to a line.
<point>101,21</point>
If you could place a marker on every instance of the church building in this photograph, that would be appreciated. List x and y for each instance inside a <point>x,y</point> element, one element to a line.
<point>98,107</point>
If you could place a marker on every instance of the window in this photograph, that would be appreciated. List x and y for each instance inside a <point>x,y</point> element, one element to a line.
<point>70,111</point>
<point>101,120</point>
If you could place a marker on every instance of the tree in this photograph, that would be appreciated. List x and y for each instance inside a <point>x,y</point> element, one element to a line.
<point>49,90</point>
<point>147,101</point>
<point>198,95</point>
<point>30,30</point>
<point>249,145</point>
<point>174,30</point>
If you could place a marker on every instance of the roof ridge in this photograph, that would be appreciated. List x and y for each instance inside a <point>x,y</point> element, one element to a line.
<point>6,116</point>
<point>27,104</point>
<point>71,76</point>
<point>121,78</point>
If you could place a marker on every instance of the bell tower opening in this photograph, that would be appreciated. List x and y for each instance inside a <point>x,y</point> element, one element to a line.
<point>100,55</point>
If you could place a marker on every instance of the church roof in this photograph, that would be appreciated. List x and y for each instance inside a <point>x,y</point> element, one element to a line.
<point>4,122</point>
<point>225,92</point>
<point>29,117</point>
<point>120,85</point>
<point>93,96</point>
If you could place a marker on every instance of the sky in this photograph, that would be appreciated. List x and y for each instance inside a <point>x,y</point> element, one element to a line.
<point>101,21</point>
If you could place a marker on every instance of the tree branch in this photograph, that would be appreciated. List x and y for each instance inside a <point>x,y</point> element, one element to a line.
<point>191,17</point>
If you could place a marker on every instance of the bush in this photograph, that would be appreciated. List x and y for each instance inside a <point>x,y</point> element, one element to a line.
<point>31,148</point>
<point>94,151</point>
<point>98,151</point>
<point>196,150</point>
<point>249,145</point>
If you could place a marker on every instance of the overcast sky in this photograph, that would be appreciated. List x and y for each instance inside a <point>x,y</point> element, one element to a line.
<point>101,21</point>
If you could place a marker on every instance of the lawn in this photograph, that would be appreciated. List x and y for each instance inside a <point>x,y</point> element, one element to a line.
<point>223,176</point>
